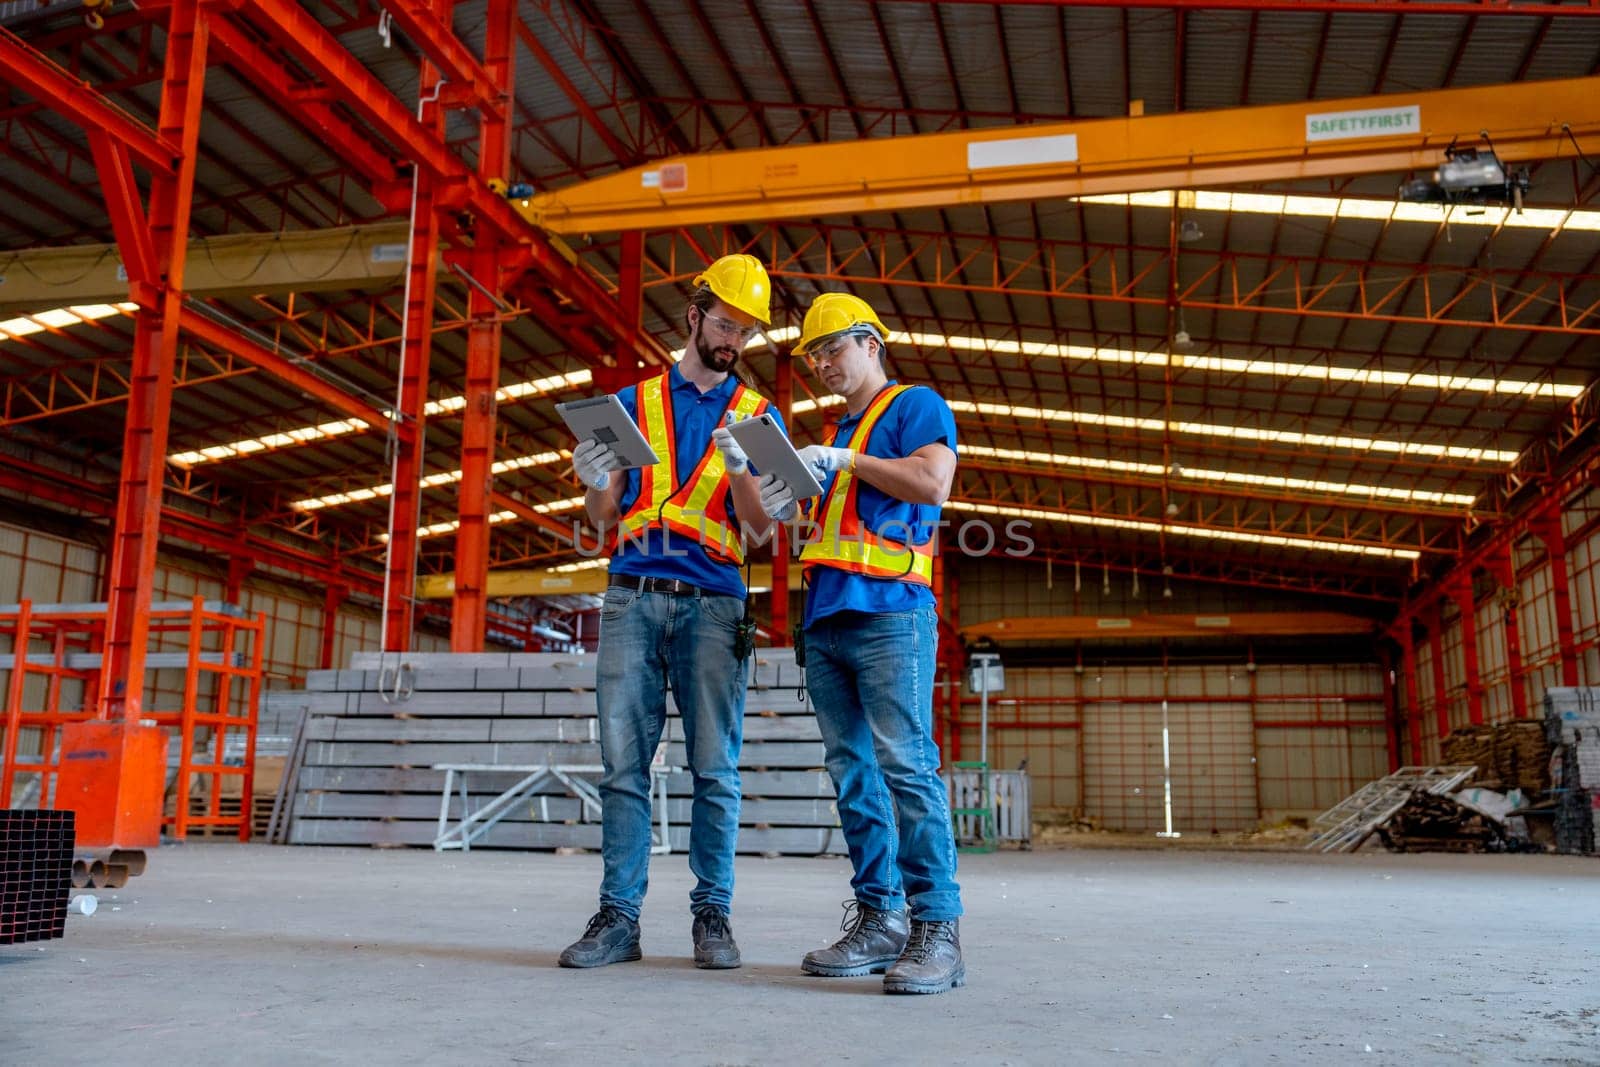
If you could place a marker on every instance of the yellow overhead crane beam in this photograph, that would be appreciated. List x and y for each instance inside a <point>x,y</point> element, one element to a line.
<point>550,581</point>
<point>1234,624</point>
<point>368,256</point>
<point>1390,134</point>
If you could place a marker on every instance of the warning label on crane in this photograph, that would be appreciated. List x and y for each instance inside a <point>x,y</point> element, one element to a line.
<point>1378,122</point>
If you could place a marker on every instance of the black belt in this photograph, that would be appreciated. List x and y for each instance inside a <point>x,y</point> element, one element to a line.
<point>671,586</point>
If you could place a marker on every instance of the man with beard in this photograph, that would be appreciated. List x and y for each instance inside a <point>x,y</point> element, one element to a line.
<point>871,634</point>
<point>673,612</point>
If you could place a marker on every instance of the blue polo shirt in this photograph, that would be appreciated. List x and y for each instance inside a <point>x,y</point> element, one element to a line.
<point>658,554</point>
<point>915,418</point>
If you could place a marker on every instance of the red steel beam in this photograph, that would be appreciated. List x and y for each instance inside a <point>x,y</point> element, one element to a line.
<point>547,523</point>
<point>430,30</point>
<point>457,186</point>
<point>63,490</point>
<point>340,136</point>
<point>121,195</point>
<point>71,98</point>
<point>290,372</point>
<point>1252,282</point>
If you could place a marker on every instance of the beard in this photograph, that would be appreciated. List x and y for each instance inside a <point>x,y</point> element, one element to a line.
<point>720,359</point>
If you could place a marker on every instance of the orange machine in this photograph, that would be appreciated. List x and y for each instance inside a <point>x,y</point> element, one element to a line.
<point>113,775</point>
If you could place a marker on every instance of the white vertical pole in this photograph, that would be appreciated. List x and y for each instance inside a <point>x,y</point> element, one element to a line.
<point>983,715</point>
<point>1166,772</point>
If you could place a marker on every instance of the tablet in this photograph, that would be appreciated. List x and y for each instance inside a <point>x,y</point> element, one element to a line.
<point>764,441</point>
<point>604,418</point>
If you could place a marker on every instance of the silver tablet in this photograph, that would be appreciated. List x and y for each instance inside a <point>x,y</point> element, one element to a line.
<point>604,418</point>
<point>764,441</point>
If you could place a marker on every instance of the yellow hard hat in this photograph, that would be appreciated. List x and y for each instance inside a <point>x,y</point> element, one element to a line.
<point>836,313</point>
<point>740,281</point>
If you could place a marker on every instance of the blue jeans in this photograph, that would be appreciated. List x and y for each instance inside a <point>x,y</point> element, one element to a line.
<point>647,639</point>
<point>871,678</point>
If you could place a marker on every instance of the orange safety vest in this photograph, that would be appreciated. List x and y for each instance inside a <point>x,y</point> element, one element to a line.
<point>697,509</point>
<point>843,541</point>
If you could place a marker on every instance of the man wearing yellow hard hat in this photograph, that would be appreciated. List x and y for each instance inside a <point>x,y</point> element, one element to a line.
<point>870,638</point>
<point>674,611</point>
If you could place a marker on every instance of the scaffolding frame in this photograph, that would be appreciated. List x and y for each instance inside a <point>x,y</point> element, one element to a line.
<point>221,659</point>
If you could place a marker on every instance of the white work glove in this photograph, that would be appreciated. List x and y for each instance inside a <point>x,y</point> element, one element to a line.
<point>593,461</point>
<point>777,499</point>
<point>733,457</point>
<point>822,459</point>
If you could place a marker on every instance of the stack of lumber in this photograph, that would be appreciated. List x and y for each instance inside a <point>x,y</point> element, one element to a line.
<point>1572,726</point>
<point>1508,755</point>
<point>1431,822</point>
<point>363,771</point>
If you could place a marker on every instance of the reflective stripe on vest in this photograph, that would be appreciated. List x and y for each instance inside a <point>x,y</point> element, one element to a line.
<point>843,540</point>
<point>697,509</point>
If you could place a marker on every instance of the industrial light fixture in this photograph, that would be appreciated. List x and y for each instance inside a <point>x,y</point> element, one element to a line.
<point>438,528</point>
<point>1295,438</point>
<point>1212,534</point>
<point>1549,220</point>
<point>60,318</point>
<point>1399,494</point>
<point>432,481</point>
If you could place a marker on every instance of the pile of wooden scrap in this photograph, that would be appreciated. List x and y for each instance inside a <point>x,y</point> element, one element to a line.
<point>1430,822</point>
<point>1508,755</point>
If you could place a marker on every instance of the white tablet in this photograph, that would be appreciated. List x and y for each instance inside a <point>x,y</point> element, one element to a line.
<point>764,441</point>
<point>604,418</point>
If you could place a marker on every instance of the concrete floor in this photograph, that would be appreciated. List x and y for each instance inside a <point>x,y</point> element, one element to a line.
<point>249,954</point>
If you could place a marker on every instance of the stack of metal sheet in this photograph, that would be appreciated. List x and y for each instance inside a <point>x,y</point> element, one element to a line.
<point>35,873</point>
<point>365,773</point>
<point>1572,726</point>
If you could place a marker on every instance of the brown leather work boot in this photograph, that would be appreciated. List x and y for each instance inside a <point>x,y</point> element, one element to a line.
<point>872,941</point>
<point>931,961</point>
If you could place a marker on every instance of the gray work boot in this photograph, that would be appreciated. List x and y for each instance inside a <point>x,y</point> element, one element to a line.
<point>872,940</point>
<point>611,937</point>
<point>931,961</point>
<point>714,947</point>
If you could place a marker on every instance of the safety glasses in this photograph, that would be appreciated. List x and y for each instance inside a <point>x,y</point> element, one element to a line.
<point>829,353</point>
<point>727,329</point>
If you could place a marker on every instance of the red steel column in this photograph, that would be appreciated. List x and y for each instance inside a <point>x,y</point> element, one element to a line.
<point>950,605</point>
<point>144,443</point>
<point>1546,526</point>
<point>1391,708</point>
<point>1459,589</point>
<point>1504,568</point>
<point>1408,669</point>
<point>405,502</point>
<point>1441,703</point>
<point>400,564</point>
<point>333,597</point>
<point>469,621</point>
<point>239,568</point>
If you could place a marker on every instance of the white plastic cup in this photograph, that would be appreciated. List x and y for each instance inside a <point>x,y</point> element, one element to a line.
<point>83,904</point>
